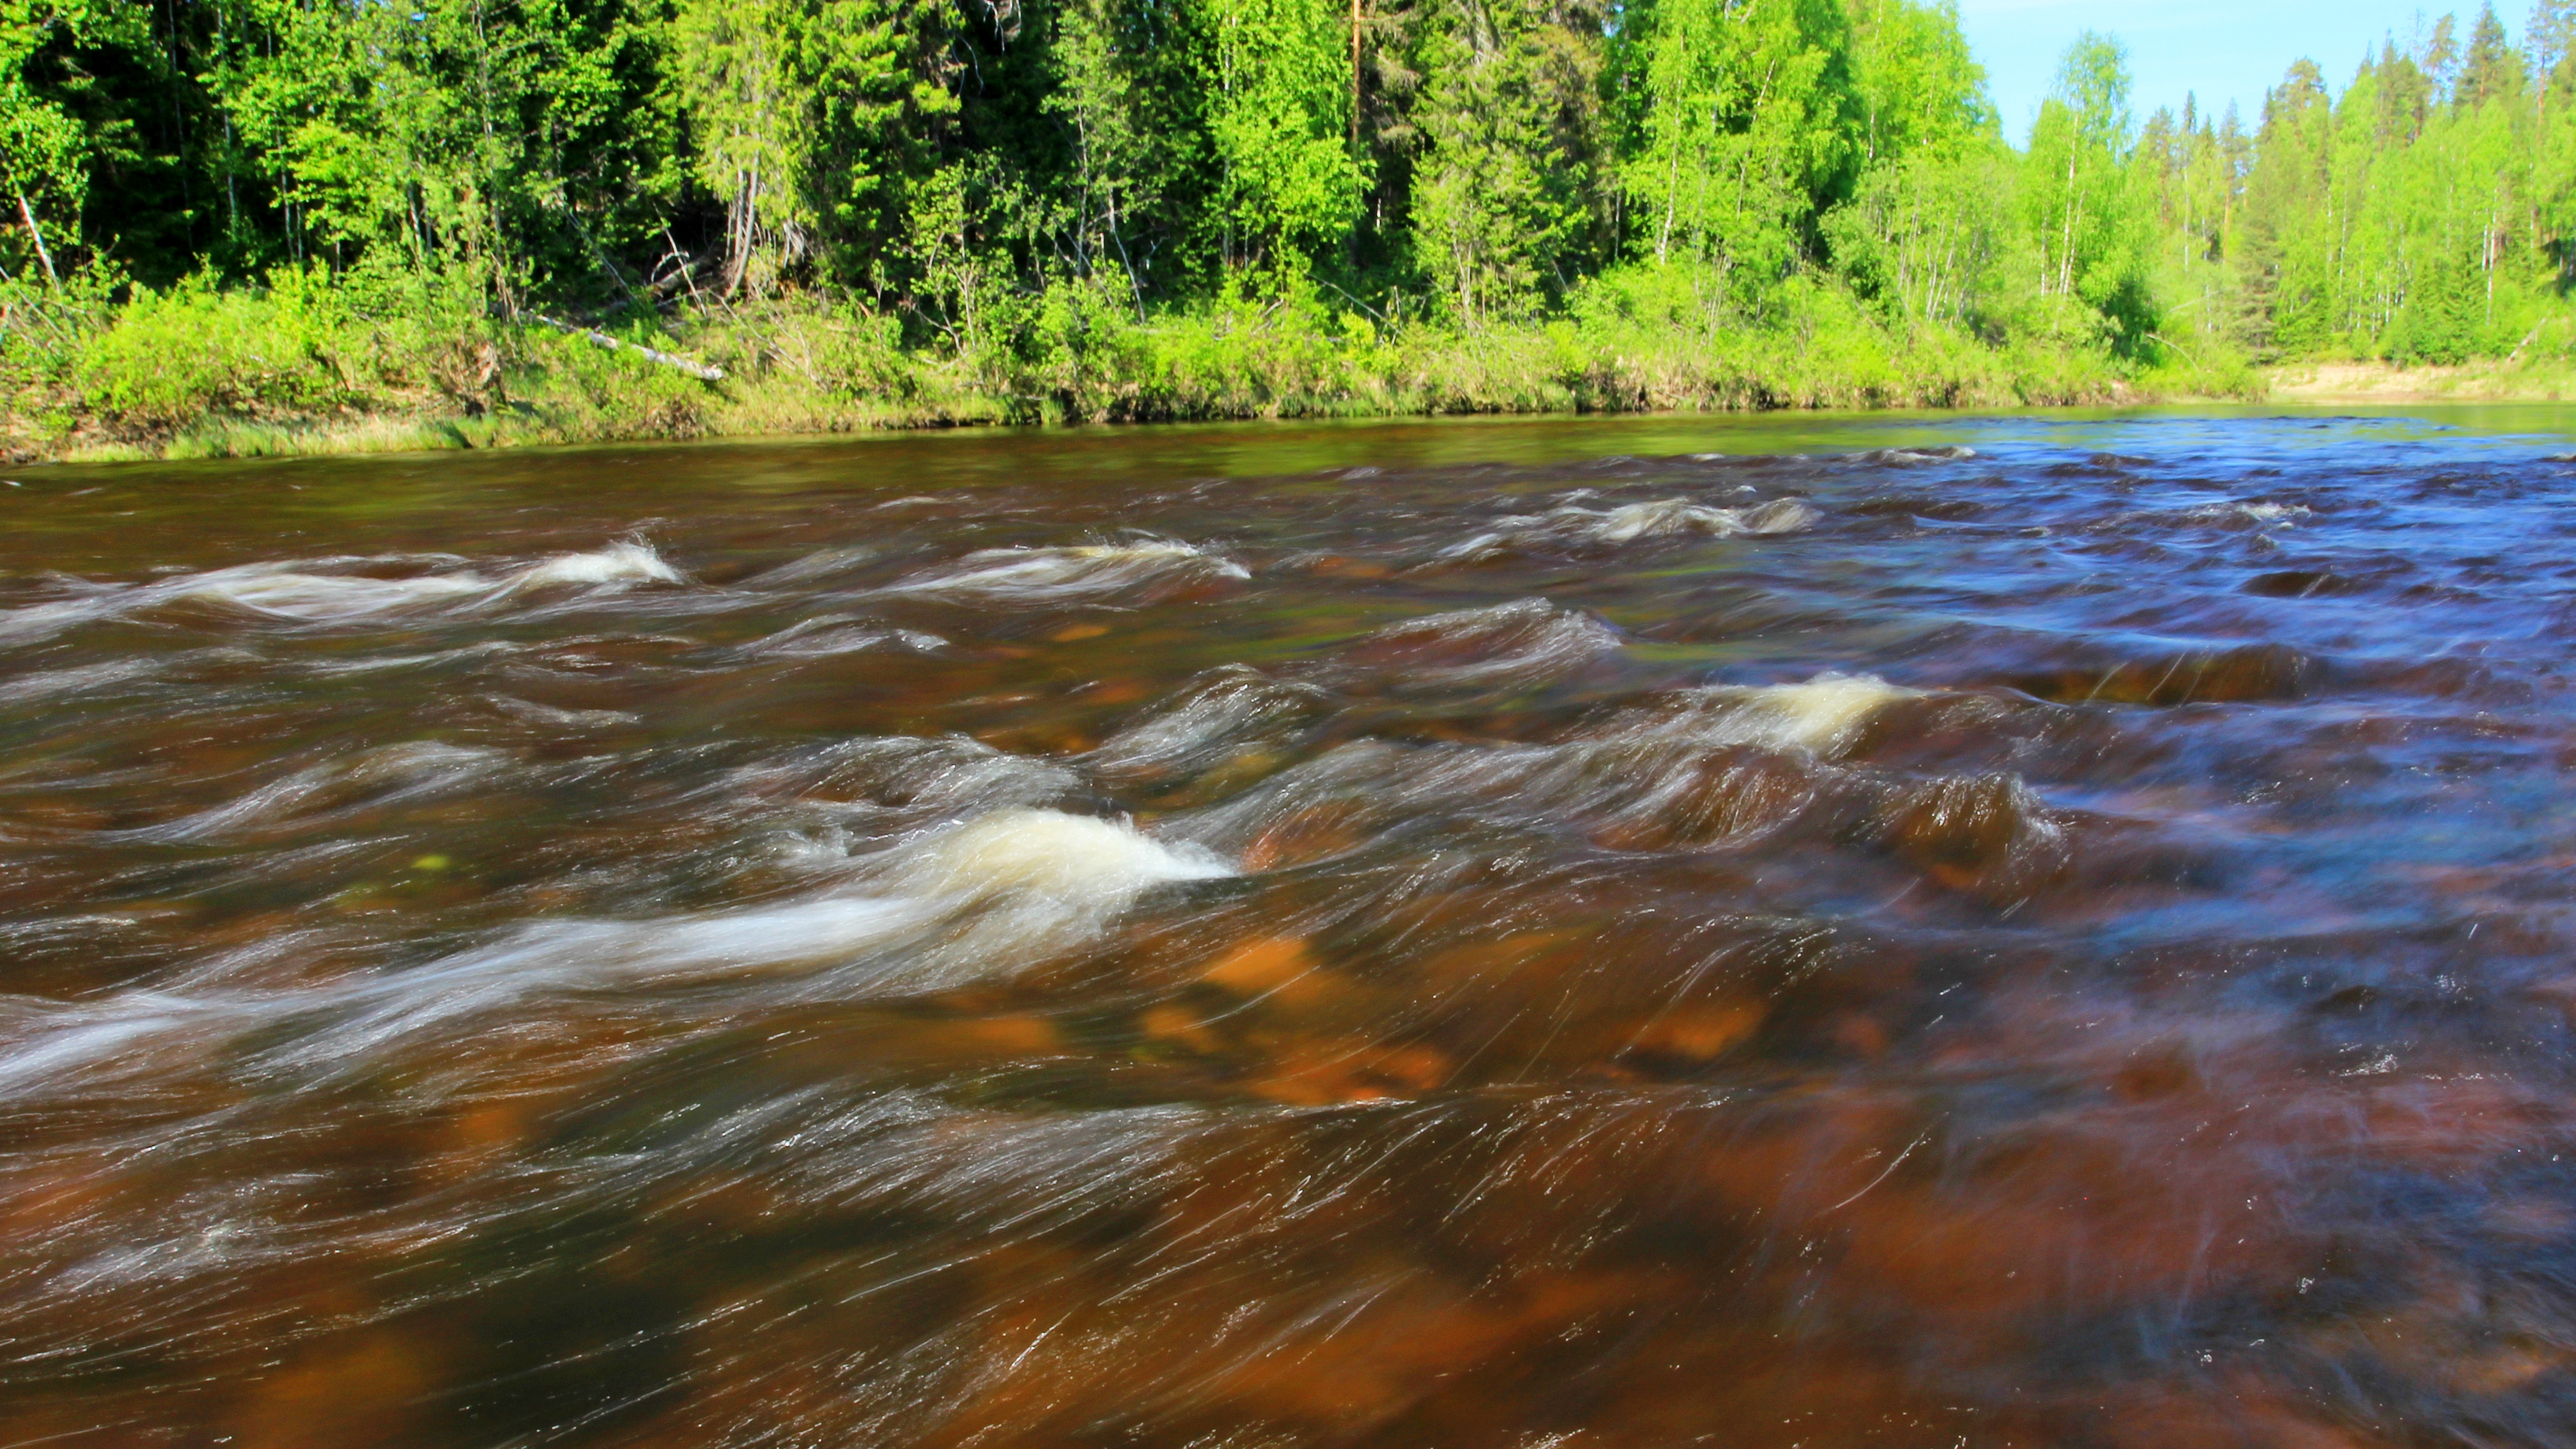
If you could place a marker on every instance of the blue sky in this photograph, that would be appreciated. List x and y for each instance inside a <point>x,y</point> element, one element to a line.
<point>2220,48</point>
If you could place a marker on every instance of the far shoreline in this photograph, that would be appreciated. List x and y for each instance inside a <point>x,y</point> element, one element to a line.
<point>2383,382</point>
<point>404,431</point>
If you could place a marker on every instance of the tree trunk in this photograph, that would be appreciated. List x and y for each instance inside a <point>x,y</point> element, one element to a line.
<point>603,341</point>
<point>1355,77</point>
<point>38,237</point>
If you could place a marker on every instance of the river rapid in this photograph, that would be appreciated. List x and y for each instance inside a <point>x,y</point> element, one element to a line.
<point>2044,932</point>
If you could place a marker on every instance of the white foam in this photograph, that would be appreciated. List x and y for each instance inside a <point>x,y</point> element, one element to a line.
<point>1672,516</point>
<point>547,716</point>
<point>1822,716</point>
<point>397,772</point>
<point>384,663</point>
<point>820,564</point>
<point>43,621</point>
<point>2258,513</point>
<point>1070,858</point>
<point>325,598</point>
<point>1058,575</point>
<point>902,784</point>
<point>976,901</point>
<point>1622,775</point>
<point>620,563</point>
<point>972,902</point>
<point>80,679</point>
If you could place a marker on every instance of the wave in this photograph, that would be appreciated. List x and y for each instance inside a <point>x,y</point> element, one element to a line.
<point>1145,572</point>
<point>1574,527</point>
<point>409,771</point>
<point>974,901</point>
<point>828,634</point>
<point>1522,642</point>
<point>1229,715</point>
<point>1824,715</point>
<point>339,591</point>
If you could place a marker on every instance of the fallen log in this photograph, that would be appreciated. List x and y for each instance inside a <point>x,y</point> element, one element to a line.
<point>597,338</point>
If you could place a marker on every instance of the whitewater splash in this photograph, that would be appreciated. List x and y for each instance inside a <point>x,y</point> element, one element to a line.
<point>972,902</point>
<point>1824,715</point>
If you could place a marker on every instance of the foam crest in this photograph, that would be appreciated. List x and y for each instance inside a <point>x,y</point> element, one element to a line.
<point>1671,516</point>
<point>975,901</point>
<point>972,902</point>
<point>2256,514</point>
<point>78,680</point>
<point>1075,860</point>
<point>820,564</point>
<point>1823,716</point>
<point>29,623</point>
<point>1153,569</point>
<point>1628,788</point>
<point>397,772</point>
<point>624,562</point>
<point>311,598</point>
<point>904,783</point>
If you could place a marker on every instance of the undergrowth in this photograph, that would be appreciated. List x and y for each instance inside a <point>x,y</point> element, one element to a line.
<point>360,363</point>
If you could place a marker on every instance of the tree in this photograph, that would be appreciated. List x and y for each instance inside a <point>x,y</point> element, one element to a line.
<point>2492,73</point>
<point>1501,193</point>
<point>44,150</point>
<point>1280,118</point>
<point>1751,127</point>
<point>2080,201</point>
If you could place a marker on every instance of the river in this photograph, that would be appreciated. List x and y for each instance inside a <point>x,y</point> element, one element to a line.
<point>2042,931</point>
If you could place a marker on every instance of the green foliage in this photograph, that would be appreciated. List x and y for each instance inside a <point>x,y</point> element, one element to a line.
<point>809,118</point>
<point>1934,238</point>
<point>909,210</point>
<point>2079,199</point>
<point>1129,114</point>
<point>1281,73</point>
<point>2422,216</point>
<point>1920,90</point>
<point>1501,192</point>
<point>1750,125</point>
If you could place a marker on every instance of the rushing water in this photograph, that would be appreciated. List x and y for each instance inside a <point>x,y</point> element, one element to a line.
<point>2042,933</point>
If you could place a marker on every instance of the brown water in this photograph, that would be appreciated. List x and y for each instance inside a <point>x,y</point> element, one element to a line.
<point>2047,932</point>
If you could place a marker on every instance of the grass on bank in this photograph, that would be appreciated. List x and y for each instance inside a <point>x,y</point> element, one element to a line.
<point>316,364</point>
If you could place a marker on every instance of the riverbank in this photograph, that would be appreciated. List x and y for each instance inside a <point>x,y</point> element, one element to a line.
<point>2527,379</point>
<point>205,374</point>
<point>233,377</point>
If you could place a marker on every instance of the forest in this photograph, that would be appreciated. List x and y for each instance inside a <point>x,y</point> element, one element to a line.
<point>256,225</point>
